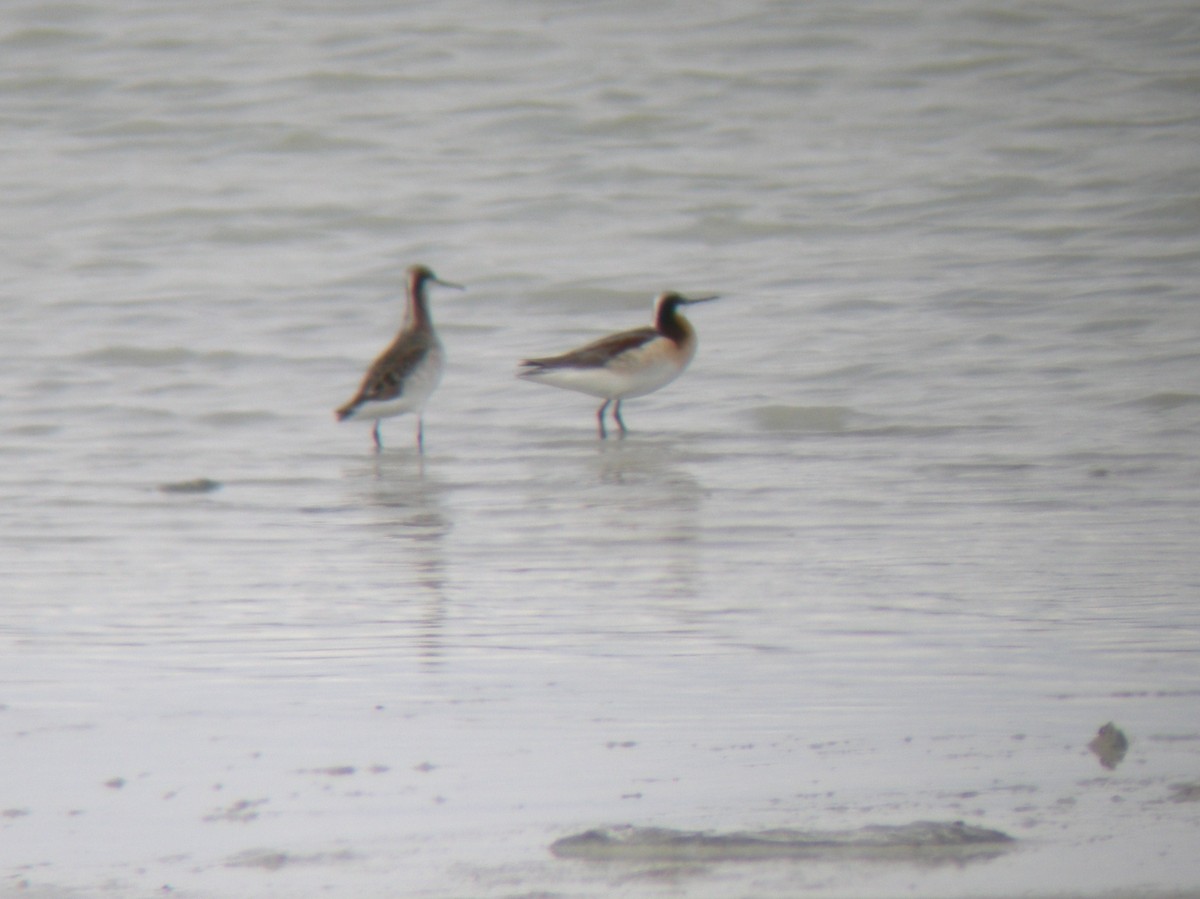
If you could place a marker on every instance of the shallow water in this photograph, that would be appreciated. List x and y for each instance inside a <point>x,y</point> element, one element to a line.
<point>919,519</point>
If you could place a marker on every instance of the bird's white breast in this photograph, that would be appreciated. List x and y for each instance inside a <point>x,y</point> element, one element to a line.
<point>633,373</point>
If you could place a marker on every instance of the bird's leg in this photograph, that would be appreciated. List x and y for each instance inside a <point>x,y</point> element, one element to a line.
<point>420,435</point>
<point>375,435</point>
<point>600,419</point>
<point>617,417</point>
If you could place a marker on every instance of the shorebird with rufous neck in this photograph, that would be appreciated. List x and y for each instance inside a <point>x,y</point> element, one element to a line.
<point>624,365</point>
<point>404,375</point>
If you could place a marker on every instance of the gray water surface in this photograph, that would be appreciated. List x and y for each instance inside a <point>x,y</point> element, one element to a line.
<point>918,521</point>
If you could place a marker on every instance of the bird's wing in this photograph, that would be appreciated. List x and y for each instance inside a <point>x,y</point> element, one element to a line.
<point>597,353</point>
<point>385,378</point>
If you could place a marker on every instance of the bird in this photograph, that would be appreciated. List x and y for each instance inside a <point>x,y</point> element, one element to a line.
<point>624,365</point>
<point>404,375</point>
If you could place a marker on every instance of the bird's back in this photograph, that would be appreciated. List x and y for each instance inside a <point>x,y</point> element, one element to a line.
<point>597,354</point>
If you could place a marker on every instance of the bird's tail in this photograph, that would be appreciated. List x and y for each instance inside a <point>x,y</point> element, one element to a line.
<point>531,368</point>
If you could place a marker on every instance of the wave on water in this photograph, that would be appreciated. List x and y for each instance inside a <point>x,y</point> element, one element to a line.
<point>1166,401</point>
<point>154,357</point>
<point>802,418</point>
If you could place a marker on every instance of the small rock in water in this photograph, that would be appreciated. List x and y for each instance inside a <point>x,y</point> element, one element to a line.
<point>1109,745</point>
<point>920,841</point>
<point>196,485</point>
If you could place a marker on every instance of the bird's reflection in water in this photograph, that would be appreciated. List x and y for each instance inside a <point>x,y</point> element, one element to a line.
<point>640,461</point>
<point>409,520</point>
<point>649,510</point>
